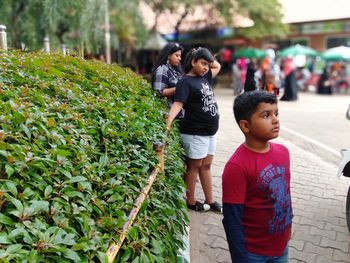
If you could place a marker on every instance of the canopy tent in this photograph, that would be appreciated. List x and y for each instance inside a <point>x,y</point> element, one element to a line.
<point>155,42</point>
<point>250,53</point>
<point>337,53</point>
<point>298,50</point>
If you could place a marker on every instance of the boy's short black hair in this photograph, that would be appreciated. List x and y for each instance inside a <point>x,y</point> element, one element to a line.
<point>245,104</point>
<point>196,54</point>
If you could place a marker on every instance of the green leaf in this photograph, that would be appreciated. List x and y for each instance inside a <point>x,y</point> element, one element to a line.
<point>12,249</point>
<point>65,172</point>
<point>157,247</point>
<point>62,152</point>
<point>70,254</point>
<point>38,206</point>
<point>33,256</point>
<point>28,192</point>
<point>103,161</point>
<point>4,239</point>
<point>48,190</point>
<point>126,255</point>
<point>17,232</point>
<point>144,258</point>
<point>76,179</point>
<point>133,233</point>
<point>102,257</point>
<point>12,188</point>
<point>61,237</point>
<point>17,204</point>
<point>26,131</point>
<point>9,170</point>
<point>5,219</point>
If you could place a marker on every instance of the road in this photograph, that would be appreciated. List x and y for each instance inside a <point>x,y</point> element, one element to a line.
<point>317,123</point>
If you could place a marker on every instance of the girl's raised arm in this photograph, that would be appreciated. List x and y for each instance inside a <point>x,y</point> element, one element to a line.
<point>215,68</point>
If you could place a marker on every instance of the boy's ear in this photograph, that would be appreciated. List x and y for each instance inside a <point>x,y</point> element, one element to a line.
<point>244,126</point>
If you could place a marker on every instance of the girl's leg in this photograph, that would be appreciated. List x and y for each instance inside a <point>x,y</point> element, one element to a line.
<point>205,178</point>
<point>192,170</point>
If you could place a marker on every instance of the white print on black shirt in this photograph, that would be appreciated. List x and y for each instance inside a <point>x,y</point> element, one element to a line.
<point>208,100</point>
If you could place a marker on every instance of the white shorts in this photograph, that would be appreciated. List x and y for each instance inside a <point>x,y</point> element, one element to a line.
<point>197,146</point>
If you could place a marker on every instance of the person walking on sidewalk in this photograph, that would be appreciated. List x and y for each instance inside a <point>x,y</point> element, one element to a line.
<point>199,125</point>
<point>257,207</point>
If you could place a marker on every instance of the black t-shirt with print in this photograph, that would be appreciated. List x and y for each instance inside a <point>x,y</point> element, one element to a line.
<point>201,109</point>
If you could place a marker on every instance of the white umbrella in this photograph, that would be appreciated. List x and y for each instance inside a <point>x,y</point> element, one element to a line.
<point>155,42</point>
<point>337,53</point>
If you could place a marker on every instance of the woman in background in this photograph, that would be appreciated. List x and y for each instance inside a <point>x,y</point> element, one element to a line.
<point>168,71</point>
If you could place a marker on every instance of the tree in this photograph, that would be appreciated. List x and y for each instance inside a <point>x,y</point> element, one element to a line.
<point>70,22</point>
<point>17,18</point>
<point>266,15</point>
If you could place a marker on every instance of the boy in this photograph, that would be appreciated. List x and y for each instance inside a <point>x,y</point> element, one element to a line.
<point>256,185</point>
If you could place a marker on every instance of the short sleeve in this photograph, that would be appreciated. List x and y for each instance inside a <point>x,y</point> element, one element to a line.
<point>182,91</point>
<point>234,184</point>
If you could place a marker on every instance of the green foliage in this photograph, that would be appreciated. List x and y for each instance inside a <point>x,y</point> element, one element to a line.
<point>75,150</point>
<point>267,17</point>
<point>70,22</point>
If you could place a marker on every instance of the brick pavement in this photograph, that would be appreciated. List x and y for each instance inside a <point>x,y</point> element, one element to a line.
<point>319,228</point>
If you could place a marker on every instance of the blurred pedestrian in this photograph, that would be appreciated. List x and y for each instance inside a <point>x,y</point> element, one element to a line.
<point>236,79</point>
<point>250,83</point>
<point>324,84</point>
<point>290,83</point>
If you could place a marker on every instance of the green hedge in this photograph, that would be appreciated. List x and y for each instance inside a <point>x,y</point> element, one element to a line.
<point>75,150</point>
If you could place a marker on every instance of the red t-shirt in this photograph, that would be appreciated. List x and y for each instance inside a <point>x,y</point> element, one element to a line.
<point>261,182</point>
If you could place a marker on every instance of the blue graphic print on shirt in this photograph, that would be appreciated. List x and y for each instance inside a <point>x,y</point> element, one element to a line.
<point>274,183</point>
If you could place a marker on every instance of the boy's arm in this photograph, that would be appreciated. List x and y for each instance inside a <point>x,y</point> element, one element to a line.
<point>232,222</point>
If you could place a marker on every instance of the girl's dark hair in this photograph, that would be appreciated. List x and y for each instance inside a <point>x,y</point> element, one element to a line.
<point>196,54</point>
<point>246,104</point>
<point>169,49</point>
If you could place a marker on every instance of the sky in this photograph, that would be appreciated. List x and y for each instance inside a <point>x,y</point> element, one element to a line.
<point>313,10</point>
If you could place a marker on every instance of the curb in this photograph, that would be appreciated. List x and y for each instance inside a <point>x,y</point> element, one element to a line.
<point>184,254</point>
<point>307,144</point>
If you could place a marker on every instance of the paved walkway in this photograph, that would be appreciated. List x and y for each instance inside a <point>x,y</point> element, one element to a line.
<point>319,228</point>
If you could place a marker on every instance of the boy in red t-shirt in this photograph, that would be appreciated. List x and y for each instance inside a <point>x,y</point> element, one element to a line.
<point>256,198</point>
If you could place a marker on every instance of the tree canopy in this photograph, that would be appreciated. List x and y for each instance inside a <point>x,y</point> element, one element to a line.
<point>70,22</point>
<point>82,21</point>
<point>265,15</point>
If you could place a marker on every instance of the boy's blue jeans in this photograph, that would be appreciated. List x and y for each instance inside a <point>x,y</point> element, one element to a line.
<point>253,258</point>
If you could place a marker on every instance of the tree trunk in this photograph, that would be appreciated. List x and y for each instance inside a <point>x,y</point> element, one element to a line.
<point>178,24</point>
<point>18,8</point>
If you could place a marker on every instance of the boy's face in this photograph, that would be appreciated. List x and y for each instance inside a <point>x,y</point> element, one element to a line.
<point>264,124</point>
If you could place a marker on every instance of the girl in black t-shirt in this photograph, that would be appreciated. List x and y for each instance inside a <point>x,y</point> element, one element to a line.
<point>199,125</point>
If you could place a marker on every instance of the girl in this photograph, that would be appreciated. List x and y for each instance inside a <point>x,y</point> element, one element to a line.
<point>168,71</point>
<point>199,125</point>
